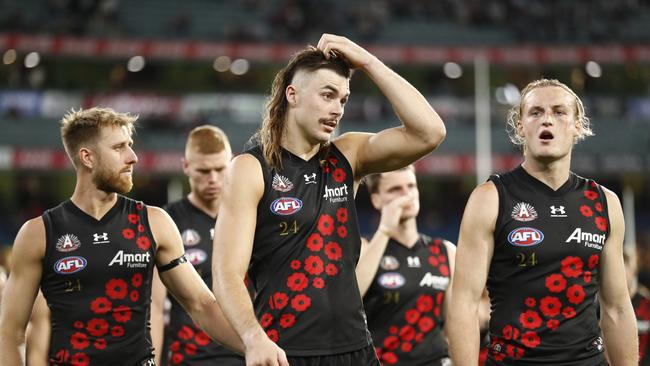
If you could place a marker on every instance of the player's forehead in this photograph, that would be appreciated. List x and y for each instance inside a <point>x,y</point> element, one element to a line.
<point>114,134</point>
<point>323,79</point>
<point>548,97</point>
<point>397,179</point>
<point>208,161</point>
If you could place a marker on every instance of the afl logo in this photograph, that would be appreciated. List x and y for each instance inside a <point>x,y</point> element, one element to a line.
<point>525,237</point>
<point>196,256</point>
<point>391,280</point>
<point>286,206</point>
<point>69,265</point>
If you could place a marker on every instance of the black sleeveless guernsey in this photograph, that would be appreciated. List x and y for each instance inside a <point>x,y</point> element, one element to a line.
<point>186,342</point>
<point>97,283</point>
<point>641,304</point>
<point>404,303</point>
<point>543,279</point>
<point>305,251</point>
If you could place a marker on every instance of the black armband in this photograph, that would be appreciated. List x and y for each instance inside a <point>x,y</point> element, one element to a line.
<point>180,260</point>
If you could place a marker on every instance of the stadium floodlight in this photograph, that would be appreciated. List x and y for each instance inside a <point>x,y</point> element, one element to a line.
<point>135,64</point>
<point>9,57</point>
<point>452,70</point>
<point>593,69</point>
<point>240,66</point>
<point>32,60</point>
<point>221,64</point>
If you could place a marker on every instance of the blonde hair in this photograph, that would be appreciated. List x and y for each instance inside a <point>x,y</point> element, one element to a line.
<point>207,139</point>
<point>84,126</point>
<point>270,133</point>
<point>514,114</point>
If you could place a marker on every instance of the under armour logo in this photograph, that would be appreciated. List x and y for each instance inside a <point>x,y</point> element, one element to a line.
<point>310,179</point>
<point>558,211</point>
<point>100,238</point>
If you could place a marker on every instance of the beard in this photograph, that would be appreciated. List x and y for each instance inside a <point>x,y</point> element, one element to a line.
<point>109,181</point>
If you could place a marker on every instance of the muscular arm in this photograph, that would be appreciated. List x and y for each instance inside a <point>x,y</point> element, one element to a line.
<point>422,129</point>
<point>185,284</point>
<point>473,256</point>
<point>22,287</point>
<point>233,241</point>
<point>158,296</point>
<point>451,254</point>
<point>618,321</point>
<point>38,334</point>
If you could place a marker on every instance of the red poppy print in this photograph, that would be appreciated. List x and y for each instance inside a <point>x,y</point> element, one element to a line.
<point>592,195</point>
<point>80,359</point>
<point>530,302</point>
<point>136,280</point>
<point>342,231</point>
<point>333,251</point>
<point>444,270</point>
<point>273,335</point>
<point>412,316</point>
<point>175,346</point>
<point>190,349</point>
<point>201,338</point>
<point>185,333</point>
<point>333,161</point>
<point>279,300</point>
<point>514,351</point>
<point>122,314</point>
<point>339,175</point>
<point>117,331</point>
<point>133,218</point>
<point>326,225</point>
<point>433,261</point>
<point>407,333</point>
<point>140,228</point>
<point>267,320</point>
<point>530,319</point>
<point>331,270</point>
<point>116,288</point>
<point>301,302</point>
<point>424,303</point>
<point>100,343</point>
<point>601,223</point>
<point>177,358</point>
<point>587,276</point>
<point>555,282</point>
<point>391,343</point>
<point>326,169</point>
<point>318,283</point>
<point>128,233</point>
<point>314,242</point>
<point>552,324</point>
<point>101,305</point>
<point>550,306</point>
<point>569,312</point>
<point>586,211</point>
<point>138,206</point>
<point>509,332</point>
<point>78,324</point>
<point>287,320</point>
<point>134,295</point>
<point>425,324</point>
<point>393,329</point>
<point>314,265</point>
<point>295,264</point>
<point>389,358</point>
<point>599,207</point>
<point>572,266</point>
<point>575,294</point>
<point>79,340</point>
<point>97,327</point>
<point>143,243</point>
<point>419,337</point>
<point>593,261</point>
<point>406,347</point>
<point>297,281</point>
<point>342,215</point>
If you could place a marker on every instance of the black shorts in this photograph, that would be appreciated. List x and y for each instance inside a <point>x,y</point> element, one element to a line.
<point>363,357</point>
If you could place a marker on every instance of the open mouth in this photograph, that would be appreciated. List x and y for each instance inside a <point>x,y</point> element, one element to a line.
<point>329,123</point>
<point>546,135</point>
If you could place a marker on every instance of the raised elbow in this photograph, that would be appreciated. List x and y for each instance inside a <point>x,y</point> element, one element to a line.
<point>435,135</point>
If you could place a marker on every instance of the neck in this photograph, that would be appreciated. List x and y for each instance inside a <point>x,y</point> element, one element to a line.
<point>407,233</point>
<point>91,200</point>
<point>296,142</point>
<point>211,208</point>
<point>554,174</point>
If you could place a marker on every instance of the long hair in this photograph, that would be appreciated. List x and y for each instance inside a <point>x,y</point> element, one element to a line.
<point>514,114</point>
<point>270,133</point>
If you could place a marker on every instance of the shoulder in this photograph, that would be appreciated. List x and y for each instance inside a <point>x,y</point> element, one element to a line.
<point>157,216</point>
<point>30,239</point>
<point>350,142</point>
<point>485,192</point>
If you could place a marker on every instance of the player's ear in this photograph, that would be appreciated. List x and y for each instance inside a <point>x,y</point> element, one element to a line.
<point>291,94</point>
<point>87,157</point>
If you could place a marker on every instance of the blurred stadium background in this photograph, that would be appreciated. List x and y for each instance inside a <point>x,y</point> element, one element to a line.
<point>179,64</point>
